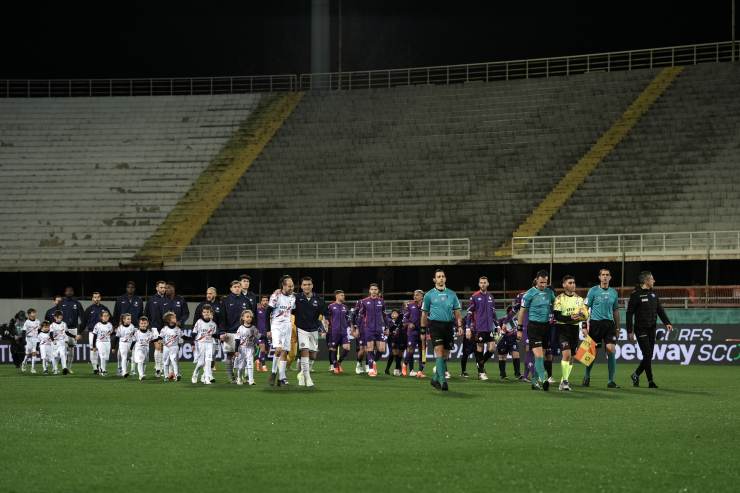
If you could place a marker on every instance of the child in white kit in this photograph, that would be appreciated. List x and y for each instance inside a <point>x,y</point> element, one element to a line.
<point>125,337</point>
<point>102,334</point>
<point>31,330</point>
<point>170,336</point>
<point>246,337</point>
<point>142,339</point>
<point>45,346</point>
<point>59,333</point>
<point>203,335</point>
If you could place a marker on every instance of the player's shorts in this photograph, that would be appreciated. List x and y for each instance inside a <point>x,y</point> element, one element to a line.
<point>568,335</point>
<point>372,335</point>
<point>228,344</point>
<point>482,337</point>
<point>141,354</point>
<point>398,339</point>
<point>538,334</point>
<point>508,344</point>
<point>413,338</point>
<point>602,331</point>
<point>31,344</point>
<point>308,339</point>
<point>337,337</point>
<point>441,333</point>
<point>281,337</point>
<point>60,351</point>
<point>103,348</point>
<point>263,340</point>
<point>204,353</point>
<point>525,336</point>
<point>469,345</point>
<point>71,342</point>
<point>46,352</point>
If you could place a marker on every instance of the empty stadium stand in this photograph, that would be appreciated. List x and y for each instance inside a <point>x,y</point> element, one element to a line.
<point>90,173</point>
<point>678,170</point>
<point>467,160</point>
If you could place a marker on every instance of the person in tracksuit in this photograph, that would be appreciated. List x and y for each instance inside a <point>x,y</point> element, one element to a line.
<point>234,304</point>
<point>153,312</point>
<point>644,307</point>
<point>72,312</point>
<point>90,318</point>
<point>130,303</point>
<point>176,304</point>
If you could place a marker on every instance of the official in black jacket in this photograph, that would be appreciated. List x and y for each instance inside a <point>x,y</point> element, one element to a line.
<point>644,307</point>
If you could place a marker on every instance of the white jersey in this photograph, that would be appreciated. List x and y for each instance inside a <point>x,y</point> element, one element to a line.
<point>44,339</point>
<point>203,331</point>
<point>144,338</point>
<point>125,333</point>
<point>103,331</point>
<point>32,328</point>
<point>282,306</point>
<point>170,336</point>
<point>57,331</point>
<point>247,335</point>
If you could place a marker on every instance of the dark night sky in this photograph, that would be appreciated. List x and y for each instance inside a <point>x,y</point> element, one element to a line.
<point>143,39</point>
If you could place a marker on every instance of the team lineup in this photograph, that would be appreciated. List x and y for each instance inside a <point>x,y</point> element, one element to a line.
<point>246,329</point>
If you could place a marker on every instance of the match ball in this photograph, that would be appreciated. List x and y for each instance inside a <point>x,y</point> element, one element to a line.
<point>171,376</point>
<point>583,312</point>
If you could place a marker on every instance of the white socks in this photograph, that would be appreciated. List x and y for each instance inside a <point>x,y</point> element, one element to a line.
<point>305,367</point>
<point>281,368</point>
<point>157,359</point>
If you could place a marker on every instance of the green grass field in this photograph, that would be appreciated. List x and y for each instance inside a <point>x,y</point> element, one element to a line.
<point>87,433</point>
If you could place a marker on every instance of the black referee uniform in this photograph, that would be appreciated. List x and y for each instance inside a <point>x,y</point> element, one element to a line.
<point>644,307</point>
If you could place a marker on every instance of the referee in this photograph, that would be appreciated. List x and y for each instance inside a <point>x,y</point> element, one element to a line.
<point>644,306</point>
<point>437,310</point>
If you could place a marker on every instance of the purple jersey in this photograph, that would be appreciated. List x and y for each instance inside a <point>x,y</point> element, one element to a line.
<point>412,314</point>
<point>263,321</point>
<point>338,317</point>
<point>482,312</point>
<point>372,313</point>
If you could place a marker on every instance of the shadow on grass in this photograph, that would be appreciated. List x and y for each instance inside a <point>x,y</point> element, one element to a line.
<point>663,390</point>
<point>452,394</point>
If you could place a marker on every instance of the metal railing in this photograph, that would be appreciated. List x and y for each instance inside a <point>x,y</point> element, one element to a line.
<point>347,253</point>
<point>325,253</point>
<point>178,86</point>
<point>717,244</point>
<point>372,79</point>
<point>524,69</point>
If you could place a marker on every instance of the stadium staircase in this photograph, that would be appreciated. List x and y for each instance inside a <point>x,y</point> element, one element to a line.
<point>218,179</point>
<point>580,171</point>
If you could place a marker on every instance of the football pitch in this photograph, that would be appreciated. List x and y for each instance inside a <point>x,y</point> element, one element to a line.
<point>83,432</point>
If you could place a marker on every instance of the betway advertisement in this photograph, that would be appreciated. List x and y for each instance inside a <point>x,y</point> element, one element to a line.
<point>686,345</point>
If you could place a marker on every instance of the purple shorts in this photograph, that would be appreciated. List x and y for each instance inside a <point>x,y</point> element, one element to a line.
<point>413,338</point>
<point>337,338</point>
<point>372,335</point>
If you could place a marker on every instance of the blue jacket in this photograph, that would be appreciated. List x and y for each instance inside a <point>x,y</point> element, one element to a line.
<point>73,313</point>
<point>124,304</point>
